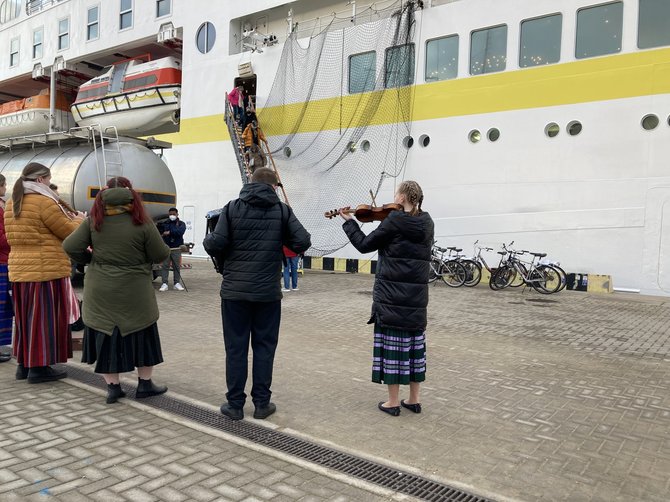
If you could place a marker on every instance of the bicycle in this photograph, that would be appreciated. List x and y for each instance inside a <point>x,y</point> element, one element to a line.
<point>450,271</point>
<point>473,270</point>
<point>544,279</point>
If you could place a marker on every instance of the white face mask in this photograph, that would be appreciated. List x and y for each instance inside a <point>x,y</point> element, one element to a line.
<point>173,217</point>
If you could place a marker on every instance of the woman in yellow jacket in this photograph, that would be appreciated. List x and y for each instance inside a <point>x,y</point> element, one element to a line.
<point>36,224</point>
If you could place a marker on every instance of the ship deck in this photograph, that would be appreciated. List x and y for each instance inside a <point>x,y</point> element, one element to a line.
<point>527,397</point>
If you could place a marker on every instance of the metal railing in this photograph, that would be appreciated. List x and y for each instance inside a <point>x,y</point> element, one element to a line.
<point>33,6</point>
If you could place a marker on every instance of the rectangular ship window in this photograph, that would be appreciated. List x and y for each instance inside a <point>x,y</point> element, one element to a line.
<point>362,72</point>
<point>488,50</point>
<point>92,23</point>
<point>399,66</point>
<point>38,36</point>
<point>653,29</point>
<point>540,41</point>
<point>126,14</point>
<point>442,58</point>
<point>599,30</point>
<point>14,52</point>
<point>163,7</point>
<point>64,34</point>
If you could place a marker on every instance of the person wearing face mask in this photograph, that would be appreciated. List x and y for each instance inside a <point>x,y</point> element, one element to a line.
<point>172,232</point>
<point>39,270</point>
<point>6,308</point>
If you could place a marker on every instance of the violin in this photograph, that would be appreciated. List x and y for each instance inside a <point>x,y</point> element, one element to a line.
<point>365,213</point>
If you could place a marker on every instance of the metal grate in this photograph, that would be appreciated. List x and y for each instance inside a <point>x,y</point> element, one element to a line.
<point>387,477</point>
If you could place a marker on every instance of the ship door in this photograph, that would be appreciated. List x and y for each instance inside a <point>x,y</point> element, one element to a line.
<point>656,253</point>
<point>249,84</point>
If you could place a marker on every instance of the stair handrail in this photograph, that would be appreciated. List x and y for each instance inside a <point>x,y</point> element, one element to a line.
<point>242,162</point>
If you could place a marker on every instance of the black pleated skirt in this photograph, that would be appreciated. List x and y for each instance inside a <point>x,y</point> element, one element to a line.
<point>119,354</point>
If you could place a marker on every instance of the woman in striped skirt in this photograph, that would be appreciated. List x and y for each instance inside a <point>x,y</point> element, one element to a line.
<point>6,308</point>
<point>36,223</point>
<point>400,296</point>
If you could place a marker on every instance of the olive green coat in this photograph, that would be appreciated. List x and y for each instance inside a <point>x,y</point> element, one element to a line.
<point>118,289</point>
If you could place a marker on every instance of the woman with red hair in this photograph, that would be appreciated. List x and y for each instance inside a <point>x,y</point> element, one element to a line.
<point>121,332</point>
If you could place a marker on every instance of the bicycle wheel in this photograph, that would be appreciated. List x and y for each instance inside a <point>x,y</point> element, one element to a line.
<point>545,279</point>
<point>454,274</point>
<point>564,277</point>
<point>502,278</point>
<point>436,268</point>
<point>473,271</point>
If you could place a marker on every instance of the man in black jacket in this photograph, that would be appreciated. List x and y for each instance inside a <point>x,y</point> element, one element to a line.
<point>247,242</point>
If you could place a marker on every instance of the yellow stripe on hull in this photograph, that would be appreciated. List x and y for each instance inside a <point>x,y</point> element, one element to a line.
<point>600,79</point>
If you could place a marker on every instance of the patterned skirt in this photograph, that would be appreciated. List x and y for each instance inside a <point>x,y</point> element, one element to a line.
<point>399,356</point>
<point>6,309</point>
<point>42,336</point>
<point>119,354</point>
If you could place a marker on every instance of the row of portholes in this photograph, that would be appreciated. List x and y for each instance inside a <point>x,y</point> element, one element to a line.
<point>351,146</point>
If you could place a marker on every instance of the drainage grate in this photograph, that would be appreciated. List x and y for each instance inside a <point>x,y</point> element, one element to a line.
<point>379,474</point>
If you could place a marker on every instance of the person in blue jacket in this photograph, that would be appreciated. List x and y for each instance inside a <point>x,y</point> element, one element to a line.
<point>172,231</point>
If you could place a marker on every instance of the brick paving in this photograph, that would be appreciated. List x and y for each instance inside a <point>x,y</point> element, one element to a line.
<point>528,397</point>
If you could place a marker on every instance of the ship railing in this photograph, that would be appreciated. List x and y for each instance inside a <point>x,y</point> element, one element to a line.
<point>33,6</point>
<point>236,139</point>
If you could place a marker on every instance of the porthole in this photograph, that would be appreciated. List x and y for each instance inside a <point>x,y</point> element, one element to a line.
<point>205,37</point>
<point>552,130</point>
<point>475,136</point>
<point>351,146</point>
<point>493,134</point>
<point>650,122</point>
<point>287,152</point>
<point>408,142</point>
<point>424,140</point>
<point>365,145</point>
<point>574,128</point>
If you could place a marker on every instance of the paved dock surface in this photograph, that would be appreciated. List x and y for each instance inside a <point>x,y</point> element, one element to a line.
<point>528,397</point>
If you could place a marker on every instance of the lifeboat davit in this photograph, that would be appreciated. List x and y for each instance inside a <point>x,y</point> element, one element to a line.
<point>28,116</point>
<point>136,95</point>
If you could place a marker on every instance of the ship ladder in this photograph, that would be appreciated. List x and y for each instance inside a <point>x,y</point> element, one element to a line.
<point>236,139</point>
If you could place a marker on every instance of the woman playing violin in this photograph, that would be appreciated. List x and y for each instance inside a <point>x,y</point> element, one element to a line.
<point>400,295</point>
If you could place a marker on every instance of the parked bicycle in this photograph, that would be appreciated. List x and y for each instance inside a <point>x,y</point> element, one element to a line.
<point>450,271</point>
<point>544,279</point>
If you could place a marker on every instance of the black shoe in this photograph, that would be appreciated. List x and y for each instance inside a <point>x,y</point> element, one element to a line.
<point>21,372</point>
<point>262,412</point>
<point>416,408</point>
<point>232,413</point>
<point>114,392</point>
<point>43,374</point>
<point>393,410</point>
<point>146,388</point>
<point>5,357</point>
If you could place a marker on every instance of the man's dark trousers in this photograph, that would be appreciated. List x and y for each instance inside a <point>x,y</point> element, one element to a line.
<point>259,321</point>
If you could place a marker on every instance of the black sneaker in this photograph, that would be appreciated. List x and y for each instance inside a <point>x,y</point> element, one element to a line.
<point>232,413</point>
<point>262,412</point>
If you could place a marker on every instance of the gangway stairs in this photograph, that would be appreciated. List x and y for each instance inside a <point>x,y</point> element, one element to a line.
<point>235,132</point>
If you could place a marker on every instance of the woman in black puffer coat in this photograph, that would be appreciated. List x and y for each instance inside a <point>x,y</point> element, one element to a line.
<point>400,297</point>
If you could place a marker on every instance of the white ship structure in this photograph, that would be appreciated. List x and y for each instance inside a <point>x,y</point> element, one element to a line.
<point>546,122</point>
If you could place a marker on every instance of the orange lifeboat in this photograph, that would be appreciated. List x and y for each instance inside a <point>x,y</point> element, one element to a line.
<point>137,96</point>
<point>28,116</point>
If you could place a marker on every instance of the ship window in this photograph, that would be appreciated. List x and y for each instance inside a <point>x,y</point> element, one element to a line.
<point>9,9</point>
<point>92,23</point>
<point>424,140</point>
<point>205,37</point>
<point>475,136</point>
<point>540,41</point>
<point>399,65</point>
<point>599,30</point>
<point>653,29</point>
<point>64,34</point>
<point>362,72</point>
<point>408,142</point>
<point>493,134</point>
<point>126,14</point>
<point>552,130</point>
<point>163,8</point>
<point>38,39</point>
<point>574,128</point>
<point>365,144</point>
<point>442,58</point>
<point>139,82</point>
<point>649,122</point>
<point>14,52</point>
<point>488,50</point>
